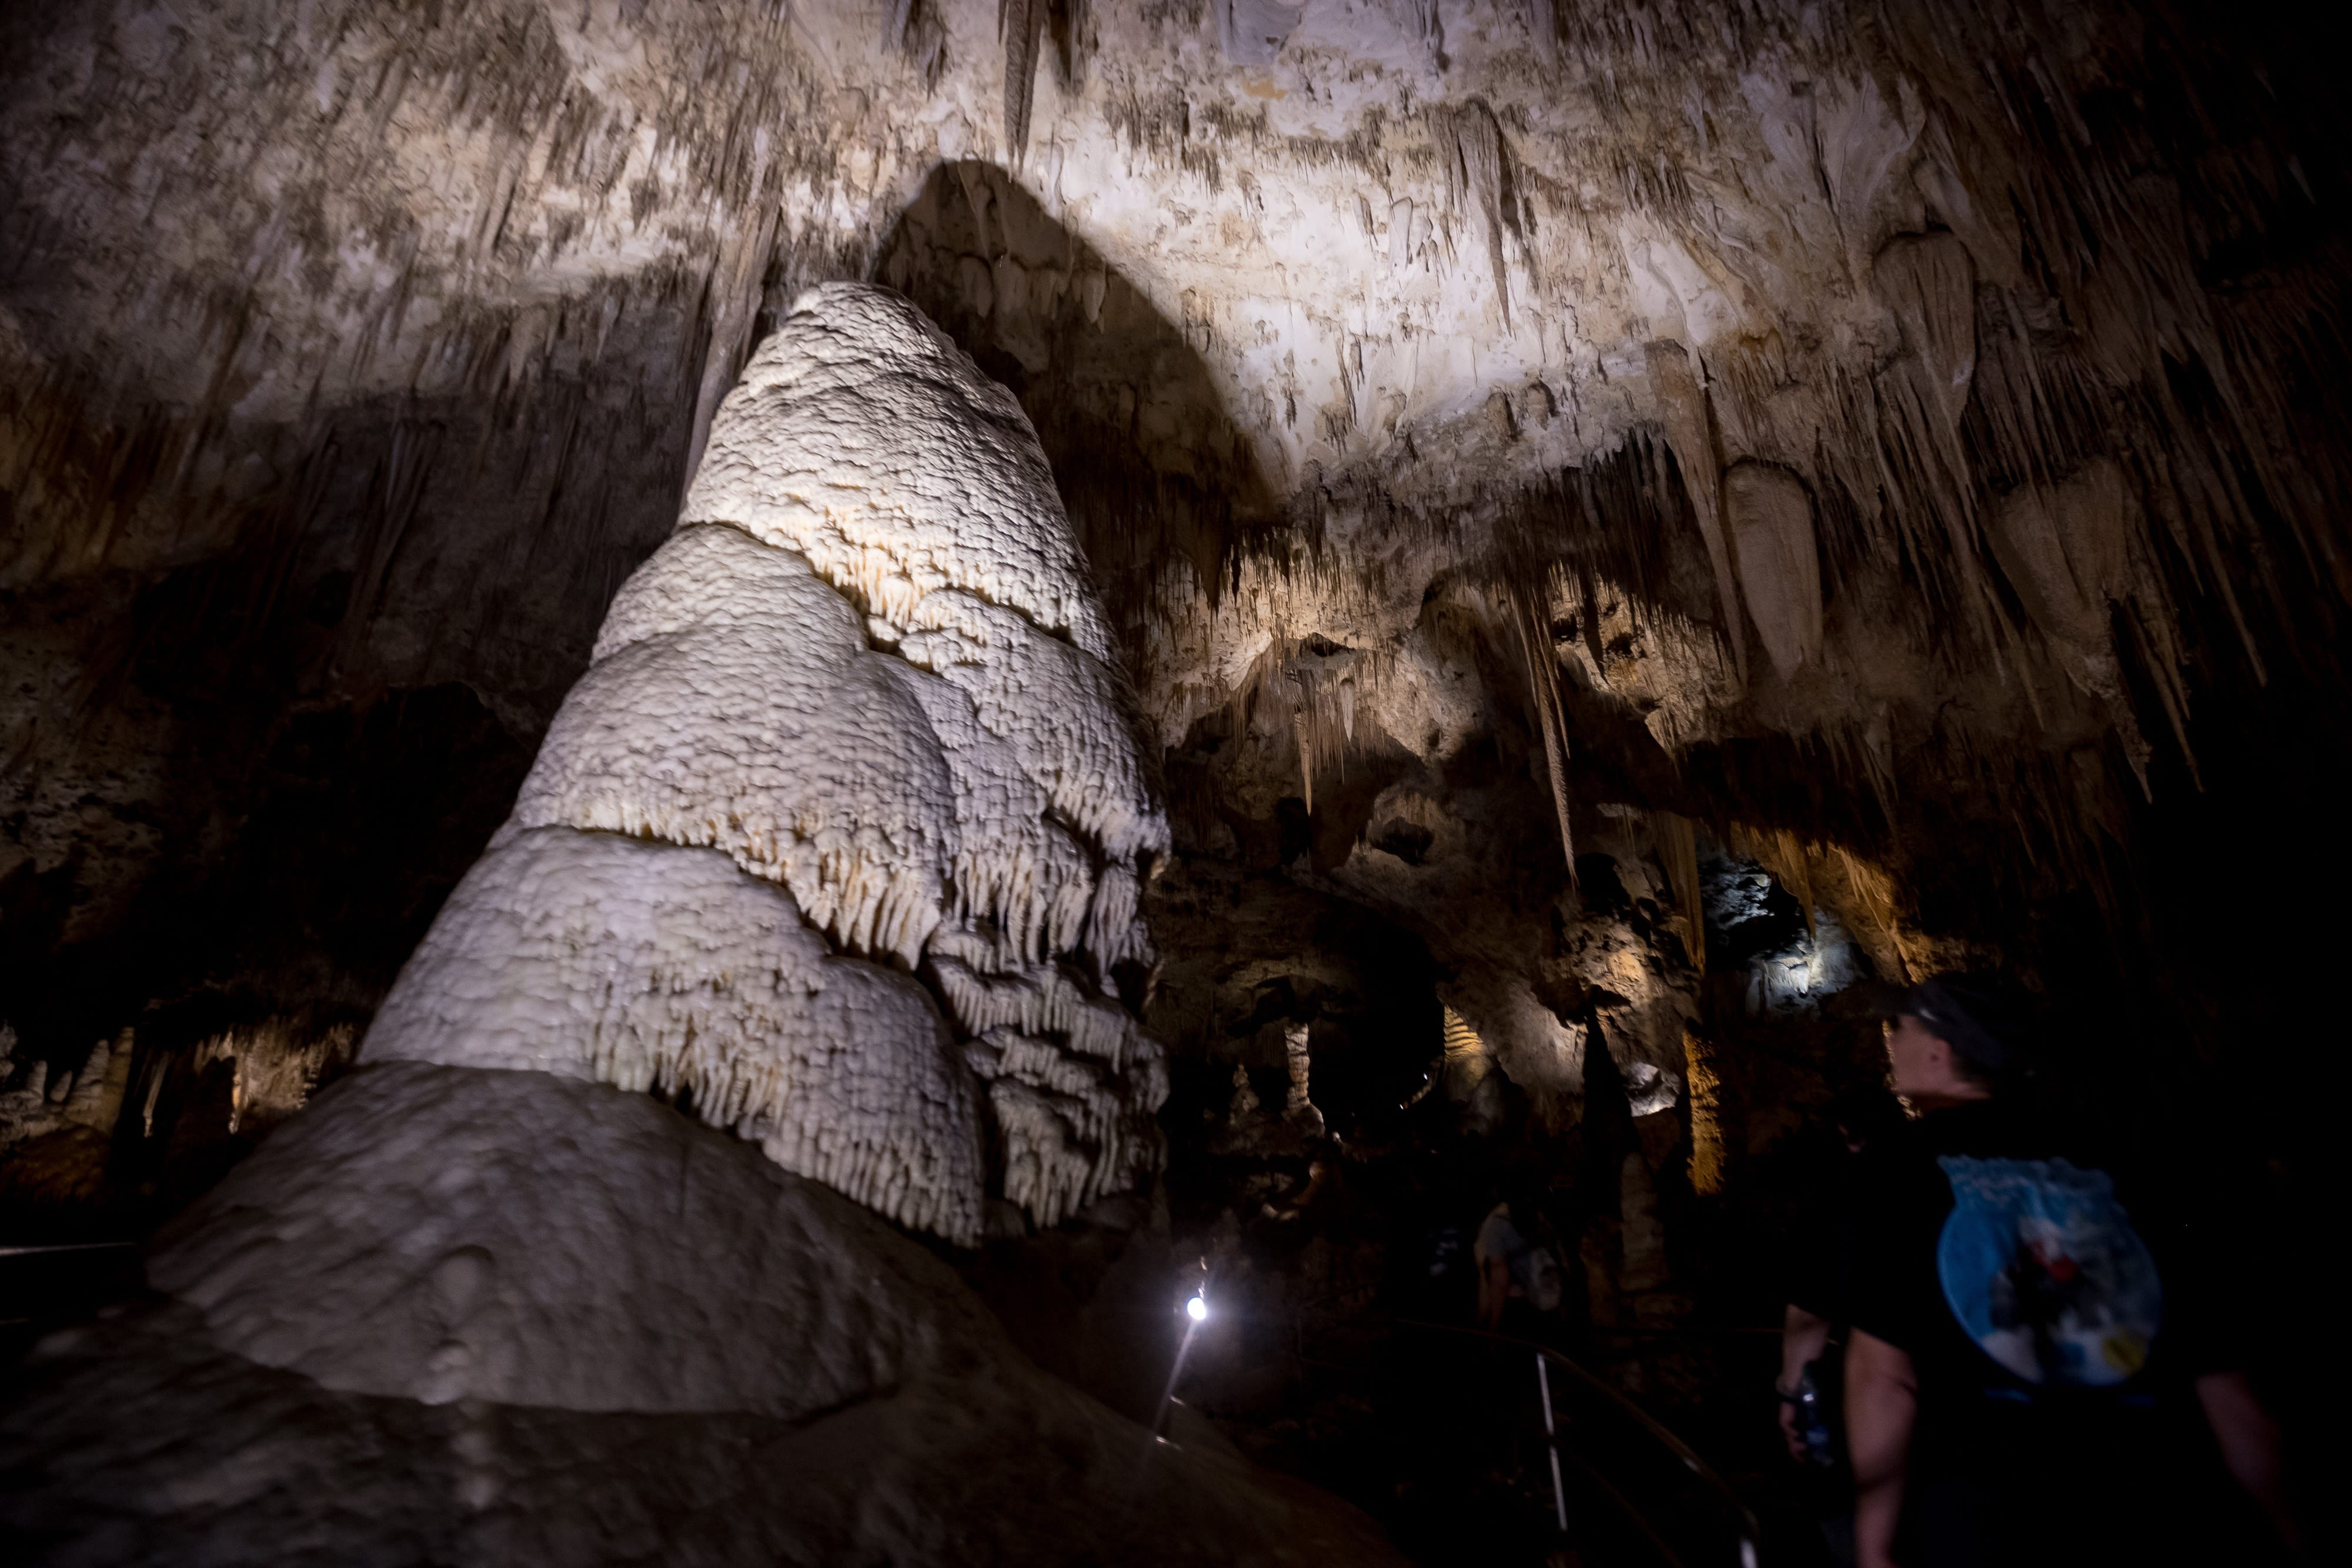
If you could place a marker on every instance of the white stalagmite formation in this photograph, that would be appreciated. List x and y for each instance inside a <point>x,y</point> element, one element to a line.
<point>769,731</point>
<point>850,729</point>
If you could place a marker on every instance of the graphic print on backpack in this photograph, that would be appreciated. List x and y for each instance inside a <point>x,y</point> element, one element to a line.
<point>2041,1267</point>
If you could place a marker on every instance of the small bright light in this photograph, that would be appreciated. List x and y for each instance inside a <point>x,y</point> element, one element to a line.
<point>1196,1309</point>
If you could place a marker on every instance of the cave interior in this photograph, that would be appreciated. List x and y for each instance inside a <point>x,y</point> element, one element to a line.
<point>869,690</point>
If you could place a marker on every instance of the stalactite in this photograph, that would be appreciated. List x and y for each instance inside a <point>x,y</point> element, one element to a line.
<point>1785,855</point>
<point>1477,161</point>
<point>1689,432</point>
<point>1021,24</point>
<point>276,1065</point>
<point>1769,517</point>
<point>1302,723</point>
<point>1543,24</point>
<point>1543,691</point>
<point>37,1101</point>
<point>1298,1104</point>
<point>1678,846</point>
<point>1708,1152</point>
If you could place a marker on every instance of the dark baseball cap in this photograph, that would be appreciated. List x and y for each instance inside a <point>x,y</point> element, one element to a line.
<point>1967,1019</point>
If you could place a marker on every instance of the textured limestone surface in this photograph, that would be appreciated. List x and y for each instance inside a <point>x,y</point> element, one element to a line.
<point>457,1315</point>
<point>439,1233</point>
<point>853,444</point>
<point>32,1104</point>
<point>850,725</point>
<point>775,737</point>
<point>651,966</point>
<point>1398,258</point>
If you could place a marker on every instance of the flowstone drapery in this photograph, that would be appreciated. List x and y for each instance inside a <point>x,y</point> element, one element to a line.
<point>868,671</point>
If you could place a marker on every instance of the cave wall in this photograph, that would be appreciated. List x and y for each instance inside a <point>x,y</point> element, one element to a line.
<point>1903,432</point>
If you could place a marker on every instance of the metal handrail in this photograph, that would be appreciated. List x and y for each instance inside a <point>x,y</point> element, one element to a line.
<point>1750,1530</point>
<point>68,1247</point>
<point>1649,1532</point>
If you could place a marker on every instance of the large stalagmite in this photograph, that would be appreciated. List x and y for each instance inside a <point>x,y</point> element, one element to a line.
<point>847,748</point>
<point>868,671</point>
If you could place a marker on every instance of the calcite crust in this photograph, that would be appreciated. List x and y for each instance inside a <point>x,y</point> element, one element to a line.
<point>839,839</point>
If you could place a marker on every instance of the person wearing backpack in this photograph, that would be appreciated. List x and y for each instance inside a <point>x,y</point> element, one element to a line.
<point>1519,1284</point>
<point>1818,1284</point>
<point>2034,1346</point>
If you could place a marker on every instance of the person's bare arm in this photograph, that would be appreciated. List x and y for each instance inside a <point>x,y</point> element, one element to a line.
<point>1882,1401</point>
<point>2250,1447</point>
<point>1804,1336</point>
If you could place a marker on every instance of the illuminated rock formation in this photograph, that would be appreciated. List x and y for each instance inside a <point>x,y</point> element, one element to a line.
<point>1922,404</point>
<point>1608,522</point>
<point>452,1314</point>
<point>838,850</point>
<point>853,722</point>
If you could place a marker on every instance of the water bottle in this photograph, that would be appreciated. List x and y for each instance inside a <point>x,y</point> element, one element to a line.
<point>1813,1423</point>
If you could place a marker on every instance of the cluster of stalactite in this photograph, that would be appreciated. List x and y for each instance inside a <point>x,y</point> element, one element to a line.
<point>2094,477</point>
<point>2026,452</point>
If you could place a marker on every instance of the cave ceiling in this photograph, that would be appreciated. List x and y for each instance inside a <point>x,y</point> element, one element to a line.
<point>1836,422</point>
